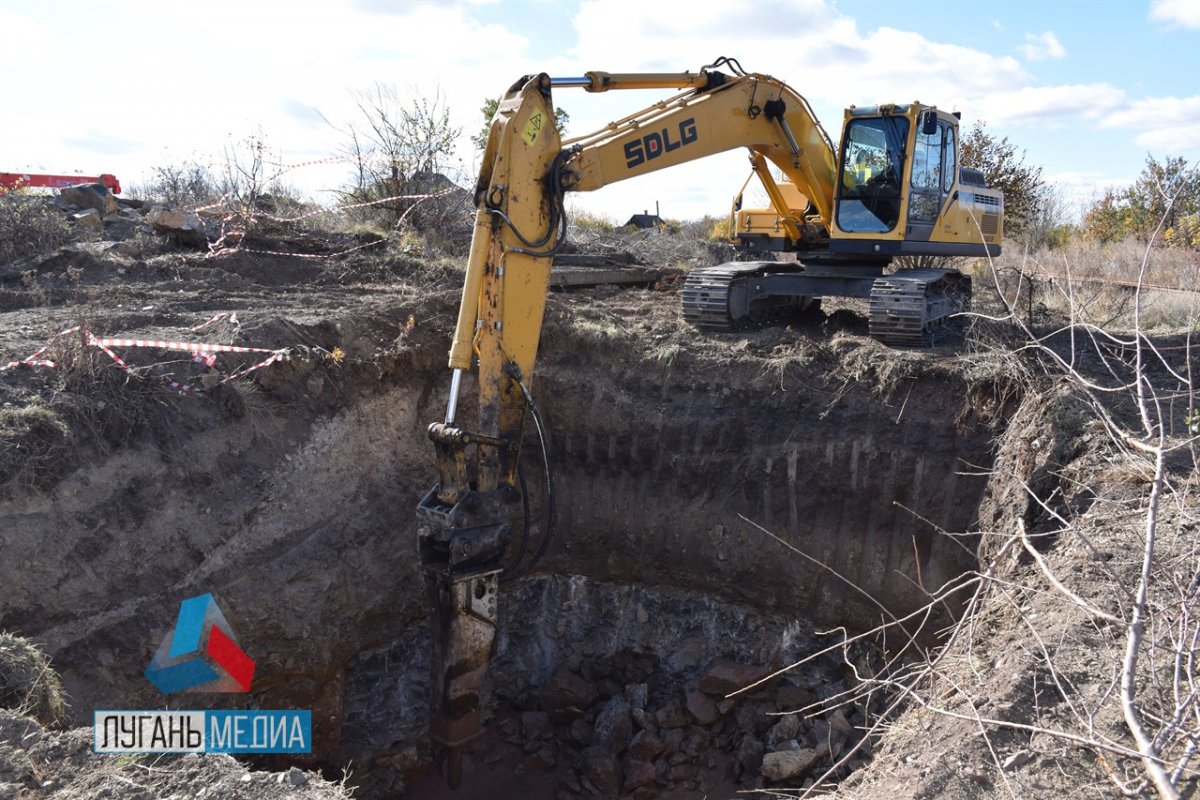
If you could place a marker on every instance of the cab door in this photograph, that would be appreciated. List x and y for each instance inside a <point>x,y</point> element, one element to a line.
<point>927,189</point>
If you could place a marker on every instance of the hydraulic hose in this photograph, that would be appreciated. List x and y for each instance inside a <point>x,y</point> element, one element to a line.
<point>544,446</point>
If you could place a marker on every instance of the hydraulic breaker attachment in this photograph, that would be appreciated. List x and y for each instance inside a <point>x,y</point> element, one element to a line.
<point>461,547</point>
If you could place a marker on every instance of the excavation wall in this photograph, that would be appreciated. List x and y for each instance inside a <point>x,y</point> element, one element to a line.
<point>713,504</point>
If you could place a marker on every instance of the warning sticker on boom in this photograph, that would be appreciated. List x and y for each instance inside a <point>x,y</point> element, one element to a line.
<point>533,128</point>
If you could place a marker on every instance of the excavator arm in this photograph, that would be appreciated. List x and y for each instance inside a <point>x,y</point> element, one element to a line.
<point>465,521</point>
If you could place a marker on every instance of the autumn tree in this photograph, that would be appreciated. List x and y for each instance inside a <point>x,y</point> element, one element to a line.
<point>1005,169</point>
<point>1164,198</point>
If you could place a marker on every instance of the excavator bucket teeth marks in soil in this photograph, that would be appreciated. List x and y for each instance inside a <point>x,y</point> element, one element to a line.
<point>907,306</point>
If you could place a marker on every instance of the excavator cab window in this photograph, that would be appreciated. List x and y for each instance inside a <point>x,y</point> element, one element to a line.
<point>926,198</point>
<point>950,161</point>
<point>872,168</point>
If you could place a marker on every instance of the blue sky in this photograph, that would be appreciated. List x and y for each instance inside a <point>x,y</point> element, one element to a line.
<point>1086,88</point>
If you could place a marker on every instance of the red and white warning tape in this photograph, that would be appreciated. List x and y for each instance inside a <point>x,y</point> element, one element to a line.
<point>310,256</point>
<point>187,347</point>
<point>32,359</point>
<point>202,353</point>
<point>233,320</point>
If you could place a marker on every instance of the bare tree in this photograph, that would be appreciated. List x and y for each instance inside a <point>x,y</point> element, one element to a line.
<point>398,147</point>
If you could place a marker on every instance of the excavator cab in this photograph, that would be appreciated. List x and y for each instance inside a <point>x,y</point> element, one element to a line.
<point>900,190</point>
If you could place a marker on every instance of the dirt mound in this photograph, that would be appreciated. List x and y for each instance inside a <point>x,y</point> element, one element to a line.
<point>39,763</point>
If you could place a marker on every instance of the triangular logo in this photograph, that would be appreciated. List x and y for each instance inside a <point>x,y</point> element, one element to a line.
<point>201,653</point>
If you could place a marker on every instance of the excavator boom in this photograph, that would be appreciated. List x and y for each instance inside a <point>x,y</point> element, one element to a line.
<point>720,113</point>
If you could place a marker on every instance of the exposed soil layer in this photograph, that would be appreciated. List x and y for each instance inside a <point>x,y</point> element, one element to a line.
<point>719,499</point>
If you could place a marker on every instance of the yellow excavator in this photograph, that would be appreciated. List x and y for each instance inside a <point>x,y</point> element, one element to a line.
<point>894,186</point>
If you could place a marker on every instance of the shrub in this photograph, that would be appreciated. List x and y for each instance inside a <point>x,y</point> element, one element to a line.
<point>30,226</point>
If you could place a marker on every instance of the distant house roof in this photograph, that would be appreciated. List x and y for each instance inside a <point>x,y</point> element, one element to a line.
<point>644,221</point>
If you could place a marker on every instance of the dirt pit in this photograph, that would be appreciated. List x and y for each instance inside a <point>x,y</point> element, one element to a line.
<point>722,500</point>
<point>604,689</point>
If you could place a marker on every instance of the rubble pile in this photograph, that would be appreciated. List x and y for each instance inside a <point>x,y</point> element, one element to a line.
<point>96,208</point>
<point>620,729</point>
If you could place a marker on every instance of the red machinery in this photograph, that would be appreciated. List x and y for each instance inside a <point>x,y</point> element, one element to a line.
<point>13,180</point>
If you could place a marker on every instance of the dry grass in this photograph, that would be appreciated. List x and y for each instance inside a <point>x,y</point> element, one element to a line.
<point>29,225</point>
<point>1096,284</point>
<point>33,439</point>
<point>675,245</point>
<point>28,684</point>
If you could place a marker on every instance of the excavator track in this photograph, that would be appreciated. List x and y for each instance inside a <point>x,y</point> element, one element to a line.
<point>908,307</point>
<point>709,294</point>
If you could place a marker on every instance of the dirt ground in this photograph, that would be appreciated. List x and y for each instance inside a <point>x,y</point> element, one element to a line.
<point>289,492</point>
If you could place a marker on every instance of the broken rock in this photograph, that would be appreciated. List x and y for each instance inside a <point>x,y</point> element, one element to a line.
<point>639,773</point>
<point>749,755</point>
<point>645,746</point>
<point>185,227</point>
<point>838,721</point>
<point>671,716</point>
<point>88,195</point>
<point>566,690</point>
<point>725,676</point>
<point>614,726</point>
<point>700,705</point>
<point>790,698</point>
<point>534,725</point>
<point>788,727</point>
<point>89,219</point>
<point>600,767</point>
<point>783,765</point>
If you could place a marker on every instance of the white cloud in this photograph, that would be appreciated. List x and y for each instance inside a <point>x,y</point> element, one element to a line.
<point>23,38</point>
<point>1181,139</point>
<point>1165,124</point>
<point>823,54</point>
<point>1040,46</point>
<point>1079,189</point>
<point>1053,104</point>
<point>243,67</point>
<point>1176,13</point>
<point>1158,112</point>
<point>239,68</point>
